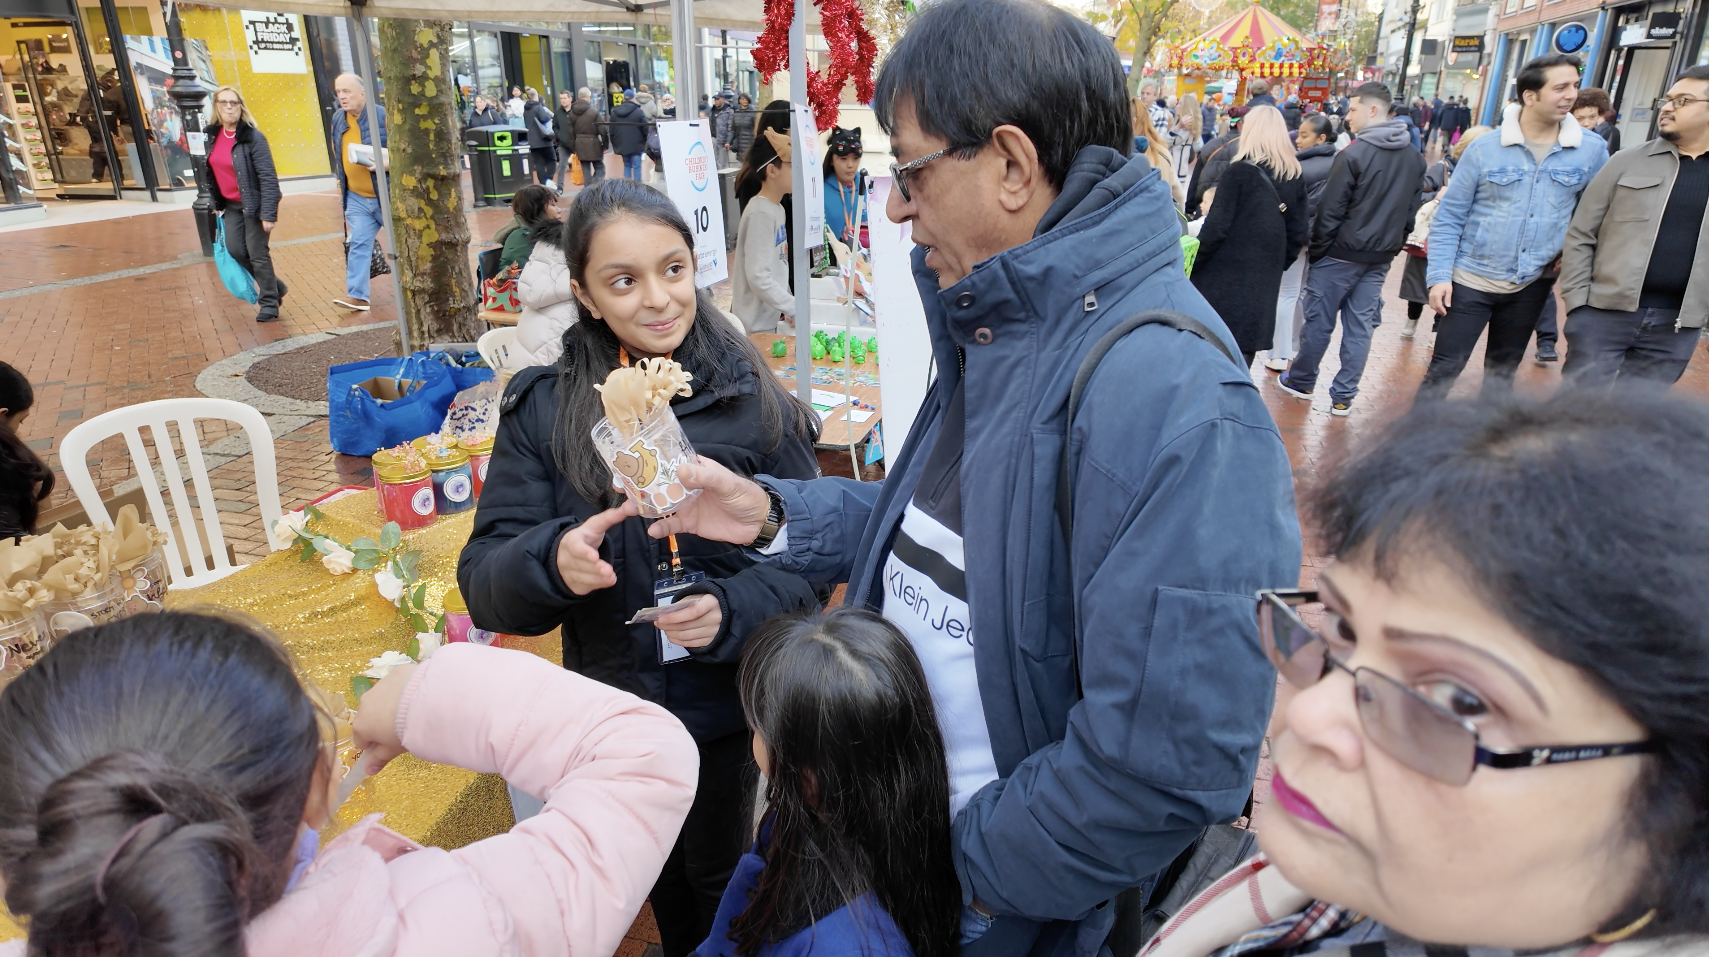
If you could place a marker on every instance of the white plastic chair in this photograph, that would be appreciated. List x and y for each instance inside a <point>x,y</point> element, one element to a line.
<point>129,421</point>
<point>494,346</point>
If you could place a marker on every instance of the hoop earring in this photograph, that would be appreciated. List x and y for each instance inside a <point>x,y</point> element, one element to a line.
<point>1627,931</point>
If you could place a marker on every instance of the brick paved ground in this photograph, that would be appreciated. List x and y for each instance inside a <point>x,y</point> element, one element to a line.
<point>109,343</point>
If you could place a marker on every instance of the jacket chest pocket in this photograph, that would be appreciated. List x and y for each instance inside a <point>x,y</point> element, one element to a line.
<point>1505,180</point>
<point>1636,199</point>
<point>1564,186</point>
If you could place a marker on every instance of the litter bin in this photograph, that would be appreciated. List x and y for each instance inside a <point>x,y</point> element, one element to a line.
<point>498,162</point>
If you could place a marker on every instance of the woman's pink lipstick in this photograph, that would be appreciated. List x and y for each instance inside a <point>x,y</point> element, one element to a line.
<point>1297,804</point>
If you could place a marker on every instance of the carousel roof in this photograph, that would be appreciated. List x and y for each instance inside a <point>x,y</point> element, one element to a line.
<point>1253,26</point>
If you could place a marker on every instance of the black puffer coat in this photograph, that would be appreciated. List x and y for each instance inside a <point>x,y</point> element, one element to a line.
<point>508,571</point>
<point>257,180</point>
<point>1254,231</point>
<point>628,128</point>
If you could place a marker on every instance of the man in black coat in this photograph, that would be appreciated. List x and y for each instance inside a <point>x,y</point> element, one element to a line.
<point>541,146</point>
<point>628,132</point>
<point>1362,220</point>
<point>564,135</point>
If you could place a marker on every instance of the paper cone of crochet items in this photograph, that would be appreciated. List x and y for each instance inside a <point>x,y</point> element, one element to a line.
<point>640,439</point>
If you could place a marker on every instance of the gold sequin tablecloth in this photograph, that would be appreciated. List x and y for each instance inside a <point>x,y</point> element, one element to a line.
<point>333,625</point>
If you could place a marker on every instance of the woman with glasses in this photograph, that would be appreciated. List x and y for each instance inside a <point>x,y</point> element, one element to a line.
<point>246,194</point>
<point>1498,733</point>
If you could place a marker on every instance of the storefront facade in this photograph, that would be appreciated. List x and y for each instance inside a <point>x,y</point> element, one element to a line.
<point>490,58</point>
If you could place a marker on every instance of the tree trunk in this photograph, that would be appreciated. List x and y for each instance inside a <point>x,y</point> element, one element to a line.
<point>1148,17</point>
<point>432,235</point>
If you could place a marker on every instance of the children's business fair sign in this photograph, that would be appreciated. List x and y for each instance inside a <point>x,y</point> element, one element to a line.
<point>691,179</point>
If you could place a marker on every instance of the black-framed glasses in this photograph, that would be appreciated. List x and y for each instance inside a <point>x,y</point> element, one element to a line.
<point>1679,101</point>
<point>1411,728</point>
<point>901,173</point>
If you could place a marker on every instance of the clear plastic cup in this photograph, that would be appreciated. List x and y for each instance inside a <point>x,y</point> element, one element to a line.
<point>644,466</point>
<point>99,606</point>
<point>22,643</point>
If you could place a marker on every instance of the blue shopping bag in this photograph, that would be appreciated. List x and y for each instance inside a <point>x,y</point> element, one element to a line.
<point>237,279</point>
<point>463,376</point>
<point>383,402</point>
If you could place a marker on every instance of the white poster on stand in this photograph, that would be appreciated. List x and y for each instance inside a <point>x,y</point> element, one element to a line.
<point>904,345</point>
<point>691,180</point>
<point>812,177</point>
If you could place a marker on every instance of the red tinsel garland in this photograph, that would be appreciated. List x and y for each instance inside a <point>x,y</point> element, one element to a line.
<point>851,52</point>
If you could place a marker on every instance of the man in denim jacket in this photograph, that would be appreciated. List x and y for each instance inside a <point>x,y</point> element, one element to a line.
<point>1501,223</point>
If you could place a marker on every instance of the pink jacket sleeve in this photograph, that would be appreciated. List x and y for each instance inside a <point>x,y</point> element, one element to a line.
<point>618,775</point>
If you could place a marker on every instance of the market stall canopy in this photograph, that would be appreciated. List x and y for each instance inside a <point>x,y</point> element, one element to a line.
<point>1253,42</point>
<point>718,14</point>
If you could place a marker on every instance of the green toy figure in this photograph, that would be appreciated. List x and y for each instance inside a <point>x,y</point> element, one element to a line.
<point>857,351</point>
<point>818,349</point>
<point>872,344</point>
<point>779,349</point>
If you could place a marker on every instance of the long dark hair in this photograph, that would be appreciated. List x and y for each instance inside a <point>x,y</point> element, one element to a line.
<point>530,204</point>
<point>719,356</point>
<point>25,480</point>
<point>751,176</point>
<point>153,772</point>
<point>1615,590</point>
<point>857,792</point>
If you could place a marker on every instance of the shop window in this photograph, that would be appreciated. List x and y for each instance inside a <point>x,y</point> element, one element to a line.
<point>264,55</point>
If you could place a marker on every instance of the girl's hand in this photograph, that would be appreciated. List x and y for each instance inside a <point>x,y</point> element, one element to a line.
<point>375,730</point>
<point>579,564</point>
<point>696,625</point>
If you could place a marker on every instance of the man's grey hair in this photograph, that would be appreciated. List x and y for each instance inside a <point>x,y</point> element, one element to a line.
<point>1257,87</point>
<point>584,94</point>
<point>361,84</point>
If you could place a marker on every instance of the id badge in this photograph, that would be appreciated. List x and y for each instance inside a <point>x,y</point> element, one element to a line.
<point>665,591</point>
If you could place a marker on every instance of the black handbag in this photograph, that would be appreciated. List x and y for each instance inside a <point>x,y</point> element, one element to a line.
<point>377,264</point>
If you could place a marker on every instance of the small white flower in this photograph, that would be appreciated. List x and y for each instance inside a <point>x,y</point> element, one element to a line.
<point>285,529</point>
<point>390,585</point>
<point>340,560</point>
<point>382,666</point>
<point>428,642</point>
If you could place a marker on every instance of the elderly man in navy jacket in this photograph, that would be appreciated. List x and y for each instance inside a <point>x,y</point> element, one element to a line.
<point>1101,688</point>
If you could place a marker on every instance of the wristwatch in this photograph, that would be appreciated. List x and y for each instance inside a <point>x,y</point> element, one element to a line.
<point>773,520</point>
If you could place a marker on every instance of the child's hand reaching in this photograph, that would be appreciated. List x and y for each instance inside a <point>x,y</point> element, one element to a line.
<point>696,625</point>
<point>376,726</point>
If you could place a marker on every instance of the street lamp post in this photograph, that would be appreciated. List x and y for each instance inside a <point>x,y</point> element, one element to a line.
<point>190,96</point>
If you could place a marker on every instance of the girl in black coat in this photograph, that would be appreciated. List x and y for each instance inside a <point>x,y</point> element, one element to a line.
<point>1254,230</point>
<point>25,480</point>
<point>550,547</point>
<point>246,194</point>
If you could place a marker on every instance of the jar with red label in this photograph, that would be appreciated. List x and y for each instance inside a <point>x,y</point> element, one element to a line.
<point>406,496</point>
<point>459,626</point>
<point>480,449</point>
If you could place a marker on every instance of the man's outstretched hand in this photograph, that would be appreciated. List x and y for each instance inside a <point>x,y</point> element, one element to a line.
<point>729,508</point>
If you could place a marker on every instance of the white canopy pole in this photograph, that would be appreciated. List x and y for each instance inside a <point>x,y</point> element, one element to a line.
<point>365,64</point>
<point>802,269</point>
<point>686,53</point>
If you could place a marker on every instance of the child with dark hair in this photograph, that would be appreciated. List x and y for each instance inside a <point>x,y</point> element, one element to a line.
<point>554,547</point>
<point>25,480</point>
<point>163,777</point>
<point>853,856</point>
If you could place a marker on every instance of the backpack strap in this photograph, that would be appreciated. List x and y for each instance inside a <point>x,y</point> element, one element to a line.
<point>1089,365</point>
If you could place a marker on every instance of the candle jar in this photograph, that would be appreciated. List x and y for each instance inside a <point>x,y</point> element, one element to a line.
<point>146,579</point>
<point>383,458</point>
<point>643,466</point>
<point>480,449</point>
<point>459,626</point>
<point>406,496</point>
<point>22,643</point>
<point>453,482</point>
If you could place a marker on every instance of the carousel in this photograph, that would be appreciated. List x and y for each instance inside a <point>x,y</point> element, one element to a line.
<point>1252,43</point>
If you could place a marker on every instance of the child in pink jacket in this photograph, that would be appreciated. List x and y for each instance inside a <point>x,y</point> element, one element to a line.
<point>161,779</point>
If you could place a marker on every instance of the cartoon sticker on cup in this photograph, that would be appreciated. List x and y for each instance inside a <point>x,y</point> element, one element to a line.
<point>640,438</point>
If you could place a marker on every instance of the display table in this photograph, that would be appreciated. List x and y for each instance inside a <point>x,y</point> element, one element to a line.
<point>332,625</point>
<point>838,430</point>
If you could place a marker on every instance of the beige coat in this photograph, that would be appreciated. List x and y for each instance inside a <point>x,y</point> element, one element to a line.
<point>1614,229</point>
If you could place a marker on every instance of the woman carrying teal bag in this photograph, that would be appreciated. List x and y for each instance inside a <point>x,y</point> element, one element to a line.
<point>237,279</point>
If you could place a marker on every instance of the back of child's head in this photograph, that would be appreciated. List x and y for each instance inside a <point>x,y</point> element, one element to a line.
<point>153,773</point>
<point>25,480</point>
<point>857,783</point>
